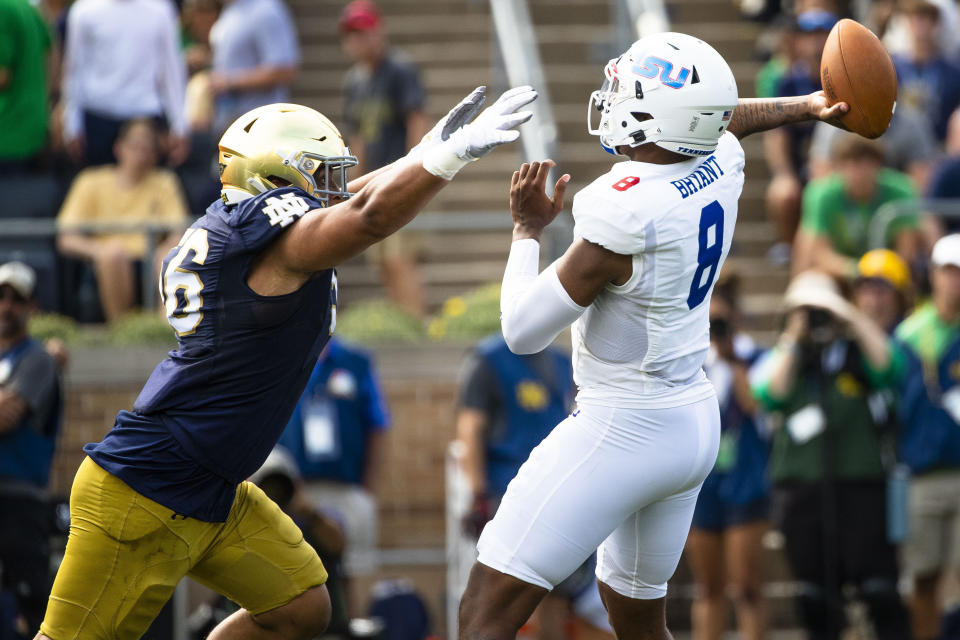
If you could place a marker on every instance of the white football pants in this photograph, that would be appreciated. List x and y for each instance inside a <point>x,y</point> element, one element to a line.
<point>623,480</point>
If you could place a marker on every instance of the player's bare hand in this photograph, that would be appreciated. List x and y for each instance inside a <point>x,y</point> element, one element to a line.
<point>821,109</point>
<point>530,206</point>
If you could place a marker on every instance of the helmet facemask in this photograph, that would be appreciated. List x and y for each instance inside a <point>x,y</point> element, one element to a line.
<point>611,97</point>
<point>333,186</point>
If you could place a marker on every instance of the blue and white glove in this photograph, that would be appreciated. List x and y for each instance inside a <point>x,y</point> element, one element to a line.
<point>492,128</point>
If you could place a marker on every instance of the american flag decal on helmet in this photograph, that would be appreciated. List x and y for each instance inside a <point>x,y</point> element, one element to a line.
<point>726,116</point>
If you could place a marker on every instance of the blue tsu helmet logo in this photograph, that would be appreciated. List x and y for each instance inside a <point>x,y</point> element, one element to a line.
<point>652,65</point>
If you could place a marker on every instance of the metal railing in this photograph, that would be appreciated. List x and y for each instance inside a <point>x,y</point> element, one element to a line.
<point>887,214</point>
<point>461,550</point>
<point>520,57</point>
<point>47,228</point>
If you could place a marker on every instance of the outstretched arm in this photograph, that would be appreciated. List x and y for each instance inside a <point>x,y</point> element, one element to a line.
<point>324,238</point>
<point>760,114</point>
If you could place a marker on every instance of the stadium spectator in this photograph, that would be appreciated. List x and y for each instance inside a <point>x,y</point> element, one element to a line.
<point>930,439</point>
<point>24,46</point>
<point>122,61</point>
<point>30,415</point>
<point>829,493</point>
<point>908,146</point>
<point>724,547</point>
<point>882,288</point>
<point>785,148</point>
<point>775,45</point>
<point>945,183</point>
<point>199,172</point>
<point>891,22</point>
<point>255,58</point>
<point>928,81</point>
<point>337,436</point>
<point>507,404</point>
<point>384,116</point>
<point>837,211</point>
<point>198,18</point>
<point>133,191</point>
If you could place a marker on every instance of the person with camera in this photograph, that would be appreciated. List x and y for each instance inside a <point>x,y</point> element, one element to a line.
<point>822,383</point>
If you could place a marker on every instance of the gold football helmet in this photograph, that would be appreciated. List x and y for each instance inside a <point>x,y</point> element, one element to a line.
<point>280,144</point>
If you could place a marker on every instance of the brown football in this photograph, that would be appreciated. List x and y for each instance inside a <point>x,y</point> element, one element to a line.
<point>857,69</point>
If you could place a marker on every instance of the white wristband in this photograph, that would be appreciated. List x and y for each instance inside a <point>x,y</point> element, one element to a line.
<point>443,160</point>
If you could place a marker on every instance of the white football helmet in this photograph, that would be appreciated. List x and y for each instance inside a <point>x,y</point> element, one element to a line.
<point>668,88</point>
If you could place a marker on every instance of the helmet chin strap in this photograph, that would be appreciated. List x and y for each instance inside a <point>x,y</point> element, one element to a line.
<point>232,195</point>
<point>257,184</point>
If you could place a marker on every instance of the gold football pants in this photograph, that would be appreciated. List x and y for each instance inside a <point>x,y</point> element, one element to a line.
<point>126,554</point>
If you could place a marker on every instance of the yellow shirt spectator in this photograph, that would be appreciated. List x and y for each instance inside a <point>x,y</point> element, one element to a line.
<point>96,196</point>
<point>132,191</point>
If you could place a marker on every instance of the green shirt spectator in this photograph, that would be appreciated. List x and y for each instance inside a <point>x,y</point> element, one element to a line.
<point>837,211</point>
<point>24,44</point>
<point>929,440</point>
<point>829,210</point>
<point>927,334</point>
<point>769,75</point>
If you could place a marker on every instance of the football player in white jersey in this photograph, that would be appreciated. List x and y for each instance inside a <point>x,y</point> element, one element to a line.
<point>622,473</point>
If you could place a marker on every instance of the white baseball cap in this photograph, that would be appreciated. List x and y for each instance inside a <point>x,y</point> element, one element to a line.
<point>946,251</point>
<point>816,289</point>
<point>19,276</point>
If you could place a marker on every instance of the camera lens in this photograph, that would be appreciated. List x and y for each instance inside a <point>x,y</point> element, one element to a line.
<point>819,318</point>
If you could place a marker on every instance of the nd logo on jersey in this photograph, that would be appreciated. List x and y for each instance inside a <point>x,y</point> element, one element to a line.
<point>651,65</point>
<point>285,209</point>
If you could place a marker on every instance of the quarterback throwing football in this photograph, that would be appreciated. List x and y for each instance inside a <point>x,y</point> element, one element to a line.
<point>251,294</point>
<point>623,472</point>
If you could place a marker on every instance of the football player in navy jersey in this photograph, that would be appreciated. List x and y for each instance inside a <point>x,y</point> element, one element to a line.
<point>251,294</point>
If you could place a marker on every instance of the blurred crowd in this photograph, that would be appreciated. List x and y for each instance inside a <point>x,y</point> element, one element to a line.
<point>110,113</point>
<point>843,437</point>
<point>833,195</point>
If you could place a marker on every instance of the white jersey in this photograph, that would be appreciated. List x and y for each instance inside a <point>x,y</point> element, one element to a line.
<point>642,344</point>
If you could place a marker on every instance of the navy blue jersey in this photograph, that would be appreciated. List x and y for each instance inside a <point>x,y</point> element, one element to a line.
<point>211,412</point>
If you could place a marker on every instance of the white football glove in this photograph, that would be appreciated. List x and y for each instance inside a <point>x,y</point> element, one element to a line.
<point>460,115</point>
<point>495,126</point>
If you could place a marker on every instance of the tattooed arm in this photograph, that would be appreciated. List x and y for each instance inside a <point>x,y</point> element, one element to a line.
<point>760,114</point>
